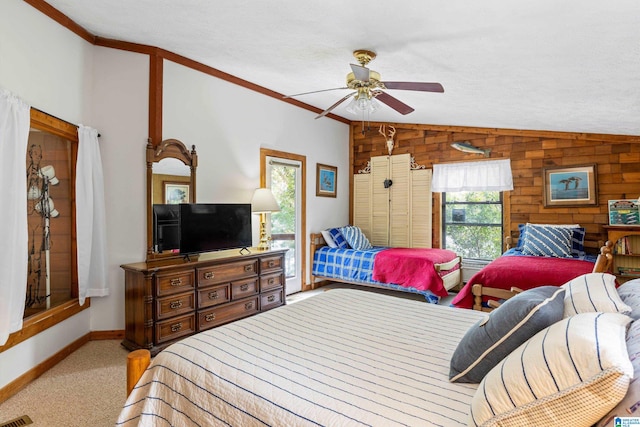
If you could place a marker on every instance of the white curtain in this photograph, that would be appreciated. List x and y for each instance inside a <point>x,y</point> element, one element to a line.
<point>90,218</point>
<point>14,136</point>
<point>487,175</point>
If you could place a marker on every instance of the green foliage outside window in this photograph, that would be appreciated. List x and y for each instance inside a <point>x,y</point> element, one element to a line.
<point>472,224</point>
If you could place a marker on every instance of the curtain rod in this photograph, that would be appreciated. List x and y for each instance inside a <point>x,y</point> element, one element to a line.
<point>58,118</point>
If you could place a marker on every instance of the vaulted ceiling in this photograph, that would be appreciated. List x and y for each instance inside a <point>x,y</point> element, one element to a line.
<point>570,65</point>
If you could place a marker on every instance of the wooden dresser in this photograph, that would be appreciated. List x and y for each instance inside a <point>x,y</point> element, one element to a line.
<point>165,303</point>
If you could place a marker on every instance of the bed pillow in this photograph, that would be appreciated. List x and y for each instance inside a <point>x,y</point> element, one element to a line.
<point>569,374</point>
<point>544,240</point>
<point>355,237</point>
<point>491,339</point>
<point>338,238</point>
<point>577,237</point>
<point>629,293</point>
<point>593,292</point>
<point>629,406</point>
<point>328,239</point>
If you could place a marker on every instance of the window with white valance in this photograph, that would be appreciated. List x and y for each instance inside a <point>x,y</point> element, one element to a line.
<point>486,175</point>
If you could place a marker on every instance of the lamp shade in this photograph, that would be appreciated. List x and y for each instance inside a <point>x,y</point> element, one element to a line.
<point>263,201</point>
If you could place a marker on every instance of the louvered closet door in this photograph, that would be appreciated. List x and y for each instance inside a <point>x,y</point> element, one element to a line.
<point>421,208</point>
<point>362,203</point>
<point>399,207</point>
<point>379,201</point>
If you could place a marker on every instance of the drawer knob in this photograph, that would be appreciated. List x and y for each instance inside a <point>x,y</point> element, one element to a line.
<point>175,305</point>
<point>209,275</point>
<point>213,295</point>
<point>244,288</point>
<point>176,282</point>
<point>176,327</point>
<point>210,317</point>
<point>272,281</point>
<point>248,268</point>
<point>272,263</point>
<point>248,305</point>
<point>271,298</point>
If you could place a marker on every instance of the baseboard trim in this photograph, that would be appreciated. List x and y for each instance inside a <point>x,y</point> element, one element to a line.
<point>23,380</point>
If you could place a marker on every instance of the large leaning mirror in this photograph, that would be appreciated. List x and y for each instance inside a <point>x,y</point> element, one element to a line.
<point>171,180</point>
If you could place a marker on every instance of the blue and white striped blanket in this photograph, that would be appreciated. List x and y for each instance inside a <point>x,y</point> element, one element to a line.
<point>342,358</point>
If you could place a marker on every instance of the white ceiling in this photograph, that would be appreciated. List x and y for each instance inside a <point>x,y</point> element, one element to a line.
<point>567,65</point>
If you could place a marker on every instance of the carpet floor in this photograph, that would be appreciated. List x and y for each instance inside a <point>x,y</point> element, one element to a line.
<point>88,388</point>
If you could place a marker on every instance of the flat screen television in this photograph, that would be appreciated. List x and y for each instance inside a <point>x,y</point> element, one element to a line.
<point>166,227</point>
<point>207,227</point>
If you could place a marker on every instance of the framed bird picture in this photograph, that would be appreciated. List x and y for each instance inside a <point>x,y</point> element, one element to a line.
<point>570,186</point>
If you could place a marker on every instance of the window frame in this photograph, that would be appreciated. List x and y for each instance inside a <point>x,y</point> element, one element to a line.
<point>503,197</point>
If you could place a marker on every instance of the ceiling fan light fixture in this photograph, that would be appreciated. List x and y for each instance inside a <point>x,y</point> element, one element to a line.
<point>363,102</point>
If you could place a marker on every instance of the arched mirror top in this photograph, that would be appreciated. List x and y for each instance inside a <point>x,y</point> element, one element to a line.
<point>171,172</point>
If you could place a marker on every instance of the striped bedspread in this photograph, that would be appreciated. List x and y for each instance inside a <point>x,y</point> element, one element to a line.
<point>342,358</point>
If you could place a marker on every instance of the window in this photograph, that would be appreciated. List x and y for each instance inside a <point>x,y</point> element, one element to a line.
<point>472,223</point>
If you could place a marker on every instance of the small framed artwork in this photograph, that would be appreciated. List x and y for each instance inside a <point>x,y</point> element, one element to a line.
<point>175,193</point>
<point>570,186</point>
<point>326,180</point>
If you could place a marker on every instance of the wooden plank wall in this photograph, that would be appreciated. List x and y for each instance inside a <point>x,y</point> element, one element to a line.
<point>617,158</point>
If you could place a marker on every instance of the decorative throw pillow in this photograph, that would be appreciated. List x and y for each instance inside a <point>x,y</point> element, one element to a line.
<point>544,240</point>
<point>490,340</point>
<point>577,237</point>
<point>338,238</point>
<point>593,292</point>
<point>569,374</point>
<point>355,237</point>
<point>630,405</point>
<point>629,293</point>
<point>328,239</point>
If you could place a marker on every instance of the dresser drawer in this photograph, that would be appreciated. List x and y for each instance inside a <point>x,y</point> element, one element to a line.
<point>172,283</point>
<point>213,296</point>
<point>270,264</point>
<point>244,288</point>
<point>271,299</point>
<point>174,305</point>
<point>170,329</point>
<point>271,281</point>
<point>227,272</point>
<point>222,314</point>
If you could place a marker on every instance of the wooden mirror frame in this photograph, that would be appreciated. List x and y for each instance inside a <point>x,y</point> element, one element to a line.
<point>169,148</point>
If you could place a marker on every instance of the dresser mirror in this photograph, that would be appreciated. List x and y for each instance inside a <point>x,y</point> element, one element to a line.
<point>171,179</point>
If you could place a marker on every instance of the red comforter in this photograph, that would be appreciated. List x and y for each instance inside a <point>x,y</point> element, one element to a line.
<point>412,267</point>
<point>524,272</point>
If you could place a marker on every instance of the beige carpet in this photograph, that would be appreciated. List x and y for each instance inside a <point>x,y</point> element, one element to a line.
<point>88,388</point>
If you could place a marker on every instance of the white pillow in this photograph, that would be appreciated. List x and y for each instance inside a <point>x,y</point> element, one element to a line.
<point>593,292</point>
<point>569,374</point>
<point>628,407</point>
<point>328,239</point>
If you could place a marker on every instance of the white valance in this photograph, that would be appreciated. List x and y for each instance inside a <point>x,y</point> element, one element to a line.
<point>486,175</point>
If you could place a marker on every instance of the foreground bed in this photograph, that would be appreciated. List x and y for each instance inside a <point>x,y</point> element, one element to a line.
<point>431,277</point>
<point>300,365</point>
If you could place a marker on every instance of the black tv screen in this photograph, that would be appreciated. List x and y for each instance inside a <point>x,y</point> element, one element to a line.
<point>166,227</point>
<point>206,227</point>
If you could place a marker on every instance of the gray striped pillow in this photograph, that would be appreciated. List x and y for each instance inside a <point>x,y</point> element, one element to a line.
<point>569,374</point>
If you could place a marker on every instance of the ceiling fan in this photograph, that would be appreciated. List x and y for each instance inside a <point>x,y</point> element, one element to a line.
<point>368,87</point>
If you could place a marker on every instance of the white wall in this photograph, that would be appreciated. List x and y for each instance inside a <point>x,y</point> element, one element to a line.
<point>59,73</point>
<point>229,124</point>
<point>50,68</point>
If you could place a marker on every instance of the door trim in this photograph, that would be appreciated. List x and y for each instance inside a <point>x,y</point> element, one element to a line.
<point>264,153</point>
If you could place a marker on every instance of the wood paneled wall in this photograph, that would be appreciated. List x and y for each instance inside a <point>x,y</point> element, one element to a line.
<point>617,158</point>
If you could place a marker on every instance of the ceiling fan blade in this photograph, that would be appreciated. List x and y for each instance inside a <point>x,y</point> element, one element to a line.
<point>328,110</point>
<point>424,87</point>
<point>361,73</point>
<point>394,103</point>
<point>314,91</point>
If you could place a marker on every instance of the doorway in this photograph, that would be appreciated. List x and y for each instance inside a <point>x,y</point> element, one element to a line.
<point>285,174</point>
